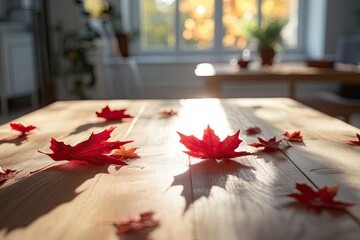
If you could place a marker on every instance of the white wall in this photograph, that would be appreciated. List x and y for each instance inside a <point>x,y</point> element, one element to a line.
<point>352,22</point>
<point>341,21</point>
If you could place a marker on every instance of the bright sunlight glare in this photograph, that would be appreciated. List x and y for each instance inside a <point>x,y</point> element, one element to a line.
<point>201,9</point>
<point>205,69</point>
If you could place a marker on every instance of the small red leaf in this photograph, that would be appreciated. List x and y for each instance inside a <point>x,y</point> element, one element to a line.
<point>132,225</point>
<point>355,142</point>
<point>6,174</point>
<point>21,128</point>
<point>210,147</point>
<point>253,130</point>
<point>113,115</point>
<point>93,150</point>
<point>167,112</point>
<point>321,199</point>
<point>294,136</point>
<point>268,146</point>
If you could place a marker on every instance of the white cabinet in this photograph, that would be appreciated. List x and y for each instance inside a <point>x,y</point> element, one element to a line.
<point>17,67</point>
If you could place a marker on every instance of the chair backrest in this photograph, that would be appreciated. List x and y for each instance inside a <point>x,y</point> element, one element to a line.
<point>349,53</point>
<point>349,50</point>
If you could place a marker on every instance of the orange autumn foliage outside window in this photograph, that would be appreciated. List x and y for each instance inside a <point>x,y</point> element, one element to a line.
<point>196,24</point>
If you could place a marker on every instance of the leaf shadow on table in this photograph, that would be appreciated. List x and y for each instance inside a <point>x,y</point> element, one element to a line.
<point>16,140</point>
<point>139,235</point>
<point>34,196</point>
<point>210,173</point>
<point>303,208</point>
<point>87,126</point>
<point>269,156</point>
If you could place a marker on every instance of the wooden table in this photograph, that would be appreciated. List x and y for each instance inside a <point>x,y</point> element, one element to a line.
<point>214,75</point>
<point>192,198</point>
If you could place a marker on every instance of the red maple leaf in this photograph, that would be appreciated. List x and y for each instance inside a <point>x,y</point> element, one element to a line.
<point>210,147</point>
<point>323,198</point>
<point>269,146</point>
<point>132,225</point>
<point>356,142</point>
<point>252,130</point>
<point>6,174</point>
<point>113,115</point>
<point>93,150</point>
<point>167,112</point>
<point>294,136</point>
<point>21,128</point>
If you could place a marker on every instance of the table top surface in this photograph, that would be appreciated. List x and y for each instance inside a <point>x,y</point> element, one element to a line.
<point>280,71</point>
<point>242,198</point>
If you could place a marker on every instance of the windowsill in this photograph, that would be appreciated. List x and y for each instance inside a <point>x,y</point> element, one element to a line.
<point>211,58</point>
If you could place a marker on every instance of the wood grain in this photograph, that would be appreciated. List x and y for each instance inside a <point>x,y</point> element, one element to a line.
<point>192,198</point>
<point>236,201</point>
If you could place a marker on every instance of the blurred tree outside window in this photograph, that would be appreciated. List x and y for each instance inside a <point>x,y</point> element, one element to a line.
<point>157,24</point>
<point>188,25</point>
<point>197,24</point>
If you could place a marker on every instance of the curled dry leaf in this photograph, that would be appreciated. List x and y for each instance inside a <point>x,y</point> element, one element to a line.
<point>355,142</point>
<point>268,146</point>
<point>132,225</point>
<point>21,128</point>
<point>94,150</point>
<point>253,130</point>
<point>293,137</point>
<point>6,174</point>
<point>113,115</point>
<point>210,147</point>
<point>321,199</point>
<point>123,153</point>
<point>167,112</point>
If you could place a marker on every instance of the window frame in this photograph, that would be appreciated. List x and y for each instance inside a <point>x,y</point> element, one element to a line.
<point>218,49</point>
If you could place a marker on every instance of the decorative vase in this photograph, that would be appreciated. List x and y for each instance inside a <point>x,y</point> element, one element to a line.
<point>267,56</point>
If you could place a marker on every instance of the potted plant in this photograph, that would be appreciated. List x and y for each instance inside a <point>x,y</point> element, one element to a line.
<point>268,36</point>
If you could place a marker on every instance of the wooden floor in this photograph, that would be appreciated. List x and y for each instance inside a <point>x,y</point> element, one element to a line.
<point>192,198</point>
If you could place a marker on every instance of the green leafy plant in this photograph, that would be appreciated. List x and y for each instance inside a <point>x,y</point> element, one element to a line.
<point>268,34</point>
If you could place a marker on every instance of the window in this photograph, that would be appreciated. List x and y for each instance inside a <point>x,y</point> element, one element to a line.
<point>209,25</point>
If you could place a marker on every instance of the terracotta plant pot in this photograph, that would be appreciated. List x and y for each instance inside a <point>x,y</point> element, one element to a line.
<point>267,56</point>
<point>123,44</point>
<point>243,63</point>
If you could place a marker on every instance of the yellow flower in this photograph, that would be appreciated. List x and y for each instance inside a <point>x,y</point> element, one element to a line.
<point>95,7</point>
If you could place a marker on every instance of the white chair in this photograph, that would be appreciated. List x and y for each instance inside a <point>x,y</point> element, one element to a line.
<point>346,101</point>
<point>118,85</point>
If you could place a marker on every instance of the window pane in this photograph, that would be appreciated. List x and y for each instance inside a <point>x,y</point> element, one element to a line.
<point>157,27</point>
<point>197,24</point>
<point>283,10</point>
<point>237,16</point>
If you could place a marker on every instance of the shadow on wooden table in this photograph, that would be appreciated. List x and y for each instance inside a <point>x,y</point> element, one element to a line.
<point>216,174</point>
<point>37,195</point>
<point>323,168</point>
<point>87,126</point>
<point>139,235</point>
<point>16,140</point>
